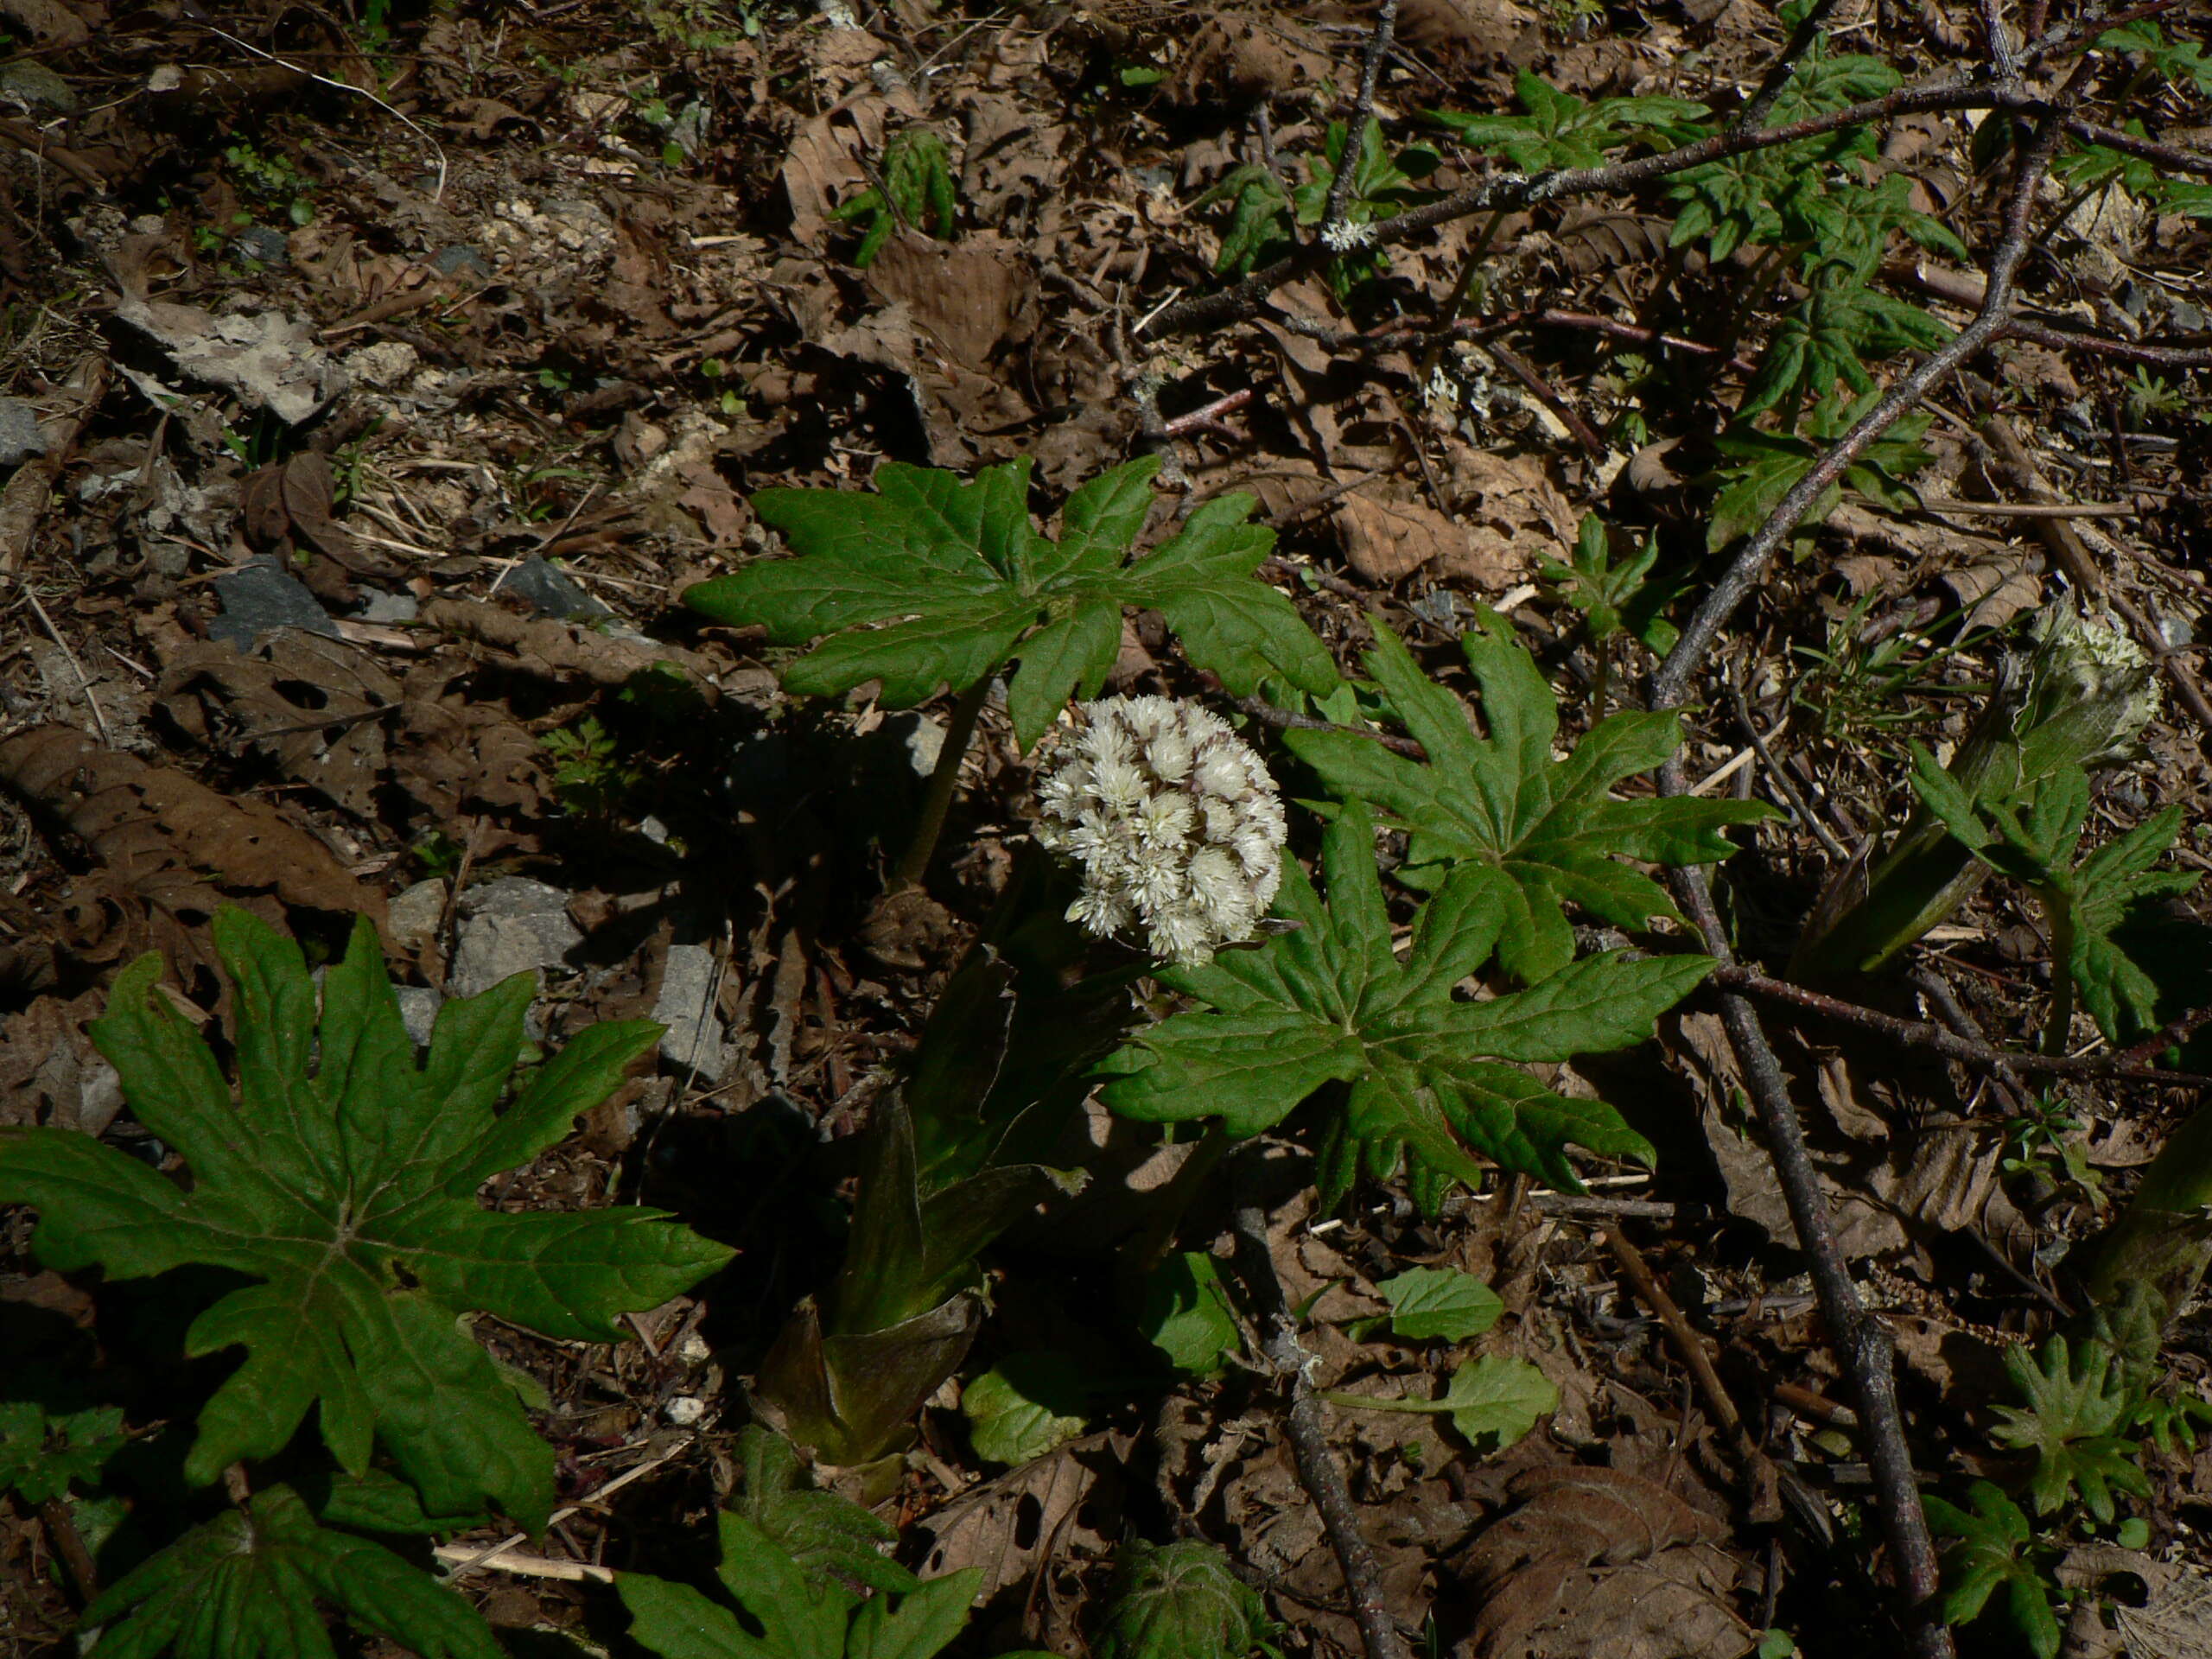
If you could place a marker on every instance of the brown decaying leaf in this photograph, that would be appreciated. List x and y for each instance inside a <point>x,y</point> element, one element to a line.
<point>315,706</point>
<point>1599,1564</point>
<point>559,650</point>
<point>169,838</point>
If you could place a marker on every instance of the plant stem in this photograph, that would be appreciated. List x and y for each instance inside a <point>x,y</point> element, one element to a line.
<point>914,863</point>
<point>2059,1027</point>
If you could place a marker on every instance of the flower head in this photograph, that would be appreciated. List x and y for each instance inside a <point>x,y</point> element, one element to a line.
<point>1174,820</point>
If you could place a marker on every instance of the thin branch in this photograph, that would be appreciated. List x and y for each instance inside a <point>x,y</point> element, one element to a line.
<point>2173,1032</point>
<point>1363,117</point>
<point>1671,683</point>
<point>1284,720</point>
<point>1765,1503</point>
<point>2172,155</point>
<point>1862,1342</point>
<point>2128,351</point>
<point>1516,190</point>
<point>1918,1033</point>
<point>1303,1425</point>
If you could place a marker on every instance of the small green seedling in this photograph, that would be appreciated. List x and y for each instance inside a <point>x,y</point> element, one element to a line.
<point>917,190</point>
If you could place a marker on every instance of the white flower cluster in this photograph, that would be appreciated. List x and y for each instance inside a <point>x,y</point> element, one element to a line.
<point>1344,236</point>
<point>1174,820</point>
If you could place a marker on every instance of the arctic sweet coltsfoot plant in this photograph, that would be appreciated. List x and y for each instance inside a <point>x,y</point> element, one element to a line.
<point>340,1178</point>
<point>1550,827</point>
<point>1433,1080</point>
<point>1174,821</point>
<point>931,582</point>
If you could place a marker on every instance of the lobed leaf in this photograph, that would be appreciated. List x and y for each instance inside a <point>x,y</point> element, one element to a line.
<point>342,1179</point>
<point>933,581</point>
<point>1330,1001</point>
<point>1550,828</point>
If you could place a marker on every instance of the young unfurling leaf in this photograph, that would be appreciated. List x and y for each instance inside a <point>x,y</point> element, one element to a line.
<point>1550,827</point>
<point>1432,1079</point>
<point>963,584</point>
<point>342,1180</point>
<point>1180,1601</point>
<point>1561,129</point>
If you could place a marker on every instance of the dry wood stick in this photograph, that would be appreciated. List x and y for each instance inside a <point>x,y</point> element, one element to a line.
<point>1317,1469</point>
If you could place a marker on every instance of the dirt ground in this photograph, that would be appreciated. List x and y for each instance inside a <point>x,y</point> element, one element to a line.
<point>379,374</point>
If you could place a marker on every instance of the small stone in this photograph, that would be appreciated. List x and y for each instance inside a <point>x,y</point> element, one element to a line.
<point>386,365</point>
<point>694,1039</point>
<point>513,926</point>
<point>550,590</point>
<point>261,595</point>
<point>418,1012</point>
<point>685,1411</point>
<point>264,243</point>
<point>414,915</point>
<point>381,606</point>
<point>30,83</point>
<point>460,261</point>
<point>20,438</point>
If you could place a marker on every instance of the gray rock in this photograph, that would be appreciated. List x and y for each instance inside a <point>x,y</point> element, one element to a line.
<point>20,438</point>
<point>415,913</point>
<point>30,83</point>
<point>460,260</point>
<point>548,588</point>
<point>513,926</point>
<point>418,1012</point>
<point>694,1039</point>
<point>388,607</point>
<point>265,244</point>
<point>260,595</point>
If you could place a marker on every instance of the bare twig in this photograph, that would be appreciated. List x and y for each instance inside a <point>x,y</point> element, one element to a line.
<point>1743,573</point>
<point>1302,1424</point>
<point>1207,418</point>
<point>1519,368</point>
<point>1757,1469</point>
<point>2128,351</point>
<point>1514,190</point>
<point>2149,149</point>
<point>1363,117</point>
<point>1918,1033</point>
<point>1860,1340</point>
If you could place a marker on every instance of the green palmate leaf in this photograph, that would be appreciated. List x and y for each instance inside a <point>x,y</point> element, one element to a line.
<point>2181,60</point>
<point>1025,1406</point>
<point>1180,1601</point>
<point>1431,1078</point>
<point>43,1456</point>
<point>1821,345</point>
<point>244,1586</point>
<point>831,1540</point>
<point>2075,1400</point>
<point>1429,1303</point>
<point>797,1615</point>
<point>1994,1549</point>
<point>1551,828</point>
<point>1561,129</point>
<point>965,584</point>
<point>342,1178</point>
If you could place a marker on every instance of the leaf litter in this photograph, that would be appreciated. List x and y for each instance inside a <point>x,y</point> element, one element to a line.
<point>590,300</point>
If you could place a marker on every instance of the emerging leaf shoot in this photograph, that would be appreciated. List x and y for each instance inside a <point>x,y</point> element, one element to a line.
<point>1994,1549</point>
<point>342,1179</point>
<point>963,584</point>
<point>1180,1601</point>
<point>1432,1079</point>
<point>1550,827</point>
